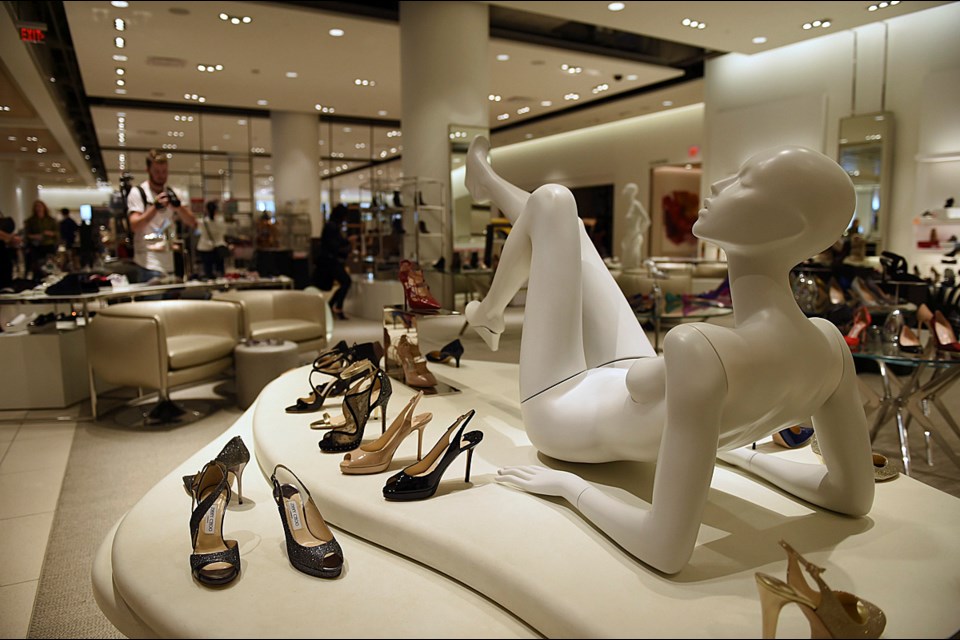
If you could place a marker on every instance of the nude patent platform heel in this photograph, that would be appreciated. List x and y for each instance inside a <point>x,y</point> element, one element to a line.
<point>831,614</point>
<point>376,456</point>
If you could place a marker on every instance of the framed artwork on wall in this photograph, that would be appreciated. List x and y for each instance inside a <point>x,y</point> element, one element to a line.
<point>675,205</point>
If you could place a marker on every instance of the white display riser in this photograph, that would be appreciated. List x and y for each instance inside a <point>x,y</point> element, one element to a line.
<point>43,370</point>
<point>367,298</point>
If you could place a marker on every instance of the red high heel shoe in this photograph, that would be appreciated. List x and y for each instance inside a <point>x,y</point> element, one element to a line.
<point>416,292</point>
<point>943,335</point>
<point>861,320</point>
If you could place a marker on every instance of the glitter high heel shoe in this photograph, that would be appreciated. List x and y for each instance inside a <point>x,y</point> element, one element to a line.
<point>831,614</point>
<point>311,546</point>
<point>214,561</point>
<point>234,456</point>
<point>376,456</point>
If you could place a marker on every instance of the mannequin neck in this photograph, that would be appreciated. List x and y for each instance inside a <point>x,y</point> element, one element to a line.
<point>760,285</point>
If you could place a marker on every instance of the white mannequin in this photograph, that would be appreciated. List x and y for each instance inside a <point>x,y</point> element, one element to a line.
<point>638,221</point>
<point>593,390</point>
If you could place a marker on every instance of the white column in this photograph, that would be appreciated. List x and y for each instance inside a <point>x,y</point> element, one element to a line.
<point>296,165</point>
<point>445,75</point>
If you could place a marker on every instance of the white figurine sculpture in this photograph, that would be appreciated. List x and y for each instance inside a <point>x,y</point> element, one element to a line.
<point>631,248</point>
<point>593,389</point>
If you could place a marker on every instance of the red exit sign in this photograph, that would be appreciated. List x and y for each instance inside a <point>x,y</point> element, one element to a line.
<point>34,32</point>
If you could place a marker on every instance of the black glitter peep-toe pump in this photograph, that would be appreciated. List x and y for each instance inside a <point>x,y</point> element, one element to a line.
<point>311,546</point>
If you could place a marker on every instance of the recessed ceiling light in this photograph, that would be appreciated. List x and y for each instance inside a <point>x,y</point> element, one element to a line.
<point>502,57</point>
<point>119,24</point>
<point>693,24</point>
<point>119,58</point>
<point>120,4</point>
<point>382,112</point>
<point>121,71</point>
<point>822,24</point>
<point>667,103</point>
<point>291,74</point>
<point>119,42</point>
<point>632,77</point>
<point>760,40</point>
<point>546,103</point>
<point>616,6</point>
<point>262,103</point>
<point>336,33</point>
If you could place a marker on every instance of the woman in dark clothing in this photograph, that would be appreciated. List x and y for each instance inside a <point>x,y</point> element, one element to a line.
<point>331,263</point>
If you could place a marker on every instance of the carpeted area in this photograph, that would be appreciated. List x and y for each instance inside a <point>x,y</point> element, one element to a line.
<point>109,469</point>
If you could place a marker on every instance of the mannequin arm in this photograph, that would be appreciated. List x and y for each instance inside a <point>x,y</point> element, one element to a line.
<point>844,483</point>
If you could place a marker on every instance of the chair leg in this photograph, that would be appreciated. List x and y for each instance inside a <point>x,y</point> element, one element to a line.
<point>93,392</point>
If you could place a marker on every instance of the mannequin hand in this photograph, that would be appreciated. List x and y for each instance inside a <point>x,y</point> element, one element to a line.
<point>536,479</point>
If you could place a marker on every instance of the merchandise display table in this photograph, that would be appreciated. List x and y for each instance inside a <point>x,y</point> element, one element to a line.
<point>492,561</point>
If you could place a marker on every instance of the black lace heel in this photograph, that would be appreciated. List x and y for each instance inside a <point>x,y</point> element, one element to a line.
<point>214,561</point>
<point>234,456</point>
<point>357,408</point>
<point>420,481</point>
<point>311,546</point>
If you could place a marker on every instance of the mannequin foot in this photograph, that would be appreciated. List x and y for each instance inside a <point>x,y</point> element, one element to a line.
<point>477,168</point>
<point>487,328</point>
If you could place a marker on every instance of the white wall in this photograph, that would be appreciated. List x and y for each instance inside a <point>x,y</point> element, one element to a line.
<point>615,153</point>
<point>59,197</point>
<point>797,95</point>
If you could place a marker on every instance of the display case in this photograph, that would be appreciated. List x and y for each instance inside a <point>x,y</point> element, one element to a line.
<point>381,228</point>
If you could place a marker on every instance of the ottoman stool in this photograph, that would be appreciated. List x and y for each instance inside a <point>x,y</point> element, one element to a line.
<point>257,362</point>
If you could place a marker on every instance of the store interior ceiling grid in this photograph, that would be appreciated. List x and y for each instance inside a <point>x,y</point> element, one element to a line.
<point>659,59</point>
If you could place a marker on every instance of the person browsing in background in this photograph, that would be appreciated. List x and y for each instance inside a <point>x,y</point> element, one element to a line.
<point>211,243</point>
<point>42,235</point>
<point>153,209</point>
<point>331,264</point>
<point>68,236</point>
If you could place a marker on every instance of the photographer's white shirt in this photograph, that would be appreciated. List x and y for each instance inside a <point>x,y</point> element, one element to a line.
<point>152,245</point>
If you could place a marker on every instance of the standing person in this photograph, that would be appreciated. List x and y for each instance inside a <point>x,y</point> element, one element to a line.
<point>42,235</point>
<point>212,243</point>
<point>593,389</point>
<point>9,241</point>
<point>68,236</point>
<point>331,263</point>
<point>153,209</point>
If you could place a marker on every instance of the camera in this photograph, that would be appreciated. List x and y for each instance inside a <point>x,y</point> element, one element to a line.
<point>174,200</point>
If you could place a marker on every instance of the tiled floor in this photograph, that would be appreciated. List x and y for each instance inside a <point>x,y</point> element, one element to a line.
<point>34,447</point>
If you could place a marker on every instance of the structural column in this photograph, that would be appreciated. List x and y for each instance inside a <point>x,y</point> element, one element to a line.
<point>296,165</point>
<point>29,193</point>
<point>445,79</point>
<point>9,203</point>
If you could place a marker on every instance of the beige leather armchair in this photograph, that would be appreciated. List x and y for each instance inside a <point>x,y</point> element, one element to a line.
<point>281,314</point>
<point>159,345</point>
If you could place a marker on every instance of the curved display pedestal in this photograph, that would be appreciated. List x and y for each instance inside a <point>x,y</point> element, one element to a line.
<point>518,565</point>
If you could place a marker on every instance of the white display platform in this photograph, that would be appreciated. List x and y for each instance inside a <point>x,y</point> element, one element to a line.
<point>534,557</point>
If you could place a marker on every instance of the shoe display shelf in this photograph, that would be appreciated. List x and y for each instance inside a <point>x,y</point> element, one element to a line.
<point>481,559</point>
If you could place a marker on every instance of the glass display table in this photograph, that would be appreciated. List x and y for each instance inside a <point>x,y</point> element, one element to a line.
<point>913,395</point>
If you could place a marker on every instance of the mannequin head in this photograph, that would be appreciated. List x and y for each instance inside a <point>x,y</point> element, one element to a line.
<point>630,190</point>
<point>789,201</point>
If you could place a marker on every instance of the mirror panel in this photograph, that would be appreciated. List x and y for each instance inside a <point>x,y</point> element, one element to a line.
<point>865,152</point>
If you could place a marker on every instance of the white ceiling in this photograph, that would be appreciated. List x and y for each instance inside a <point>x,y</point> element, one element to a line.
<point>165,41</point>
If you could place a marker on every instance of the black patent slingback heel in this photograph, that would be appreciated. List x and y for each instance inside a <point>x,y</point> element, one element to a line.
<point>420,481</point>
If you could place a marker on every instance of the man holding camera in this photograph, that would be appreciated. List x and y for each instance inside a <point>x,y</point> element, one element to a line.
<point>153,209</point>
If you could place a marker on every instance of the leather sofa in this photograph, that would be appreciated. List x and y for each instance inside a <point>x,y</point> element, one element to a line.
<point>160,344</point>
<point>281,314</point>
